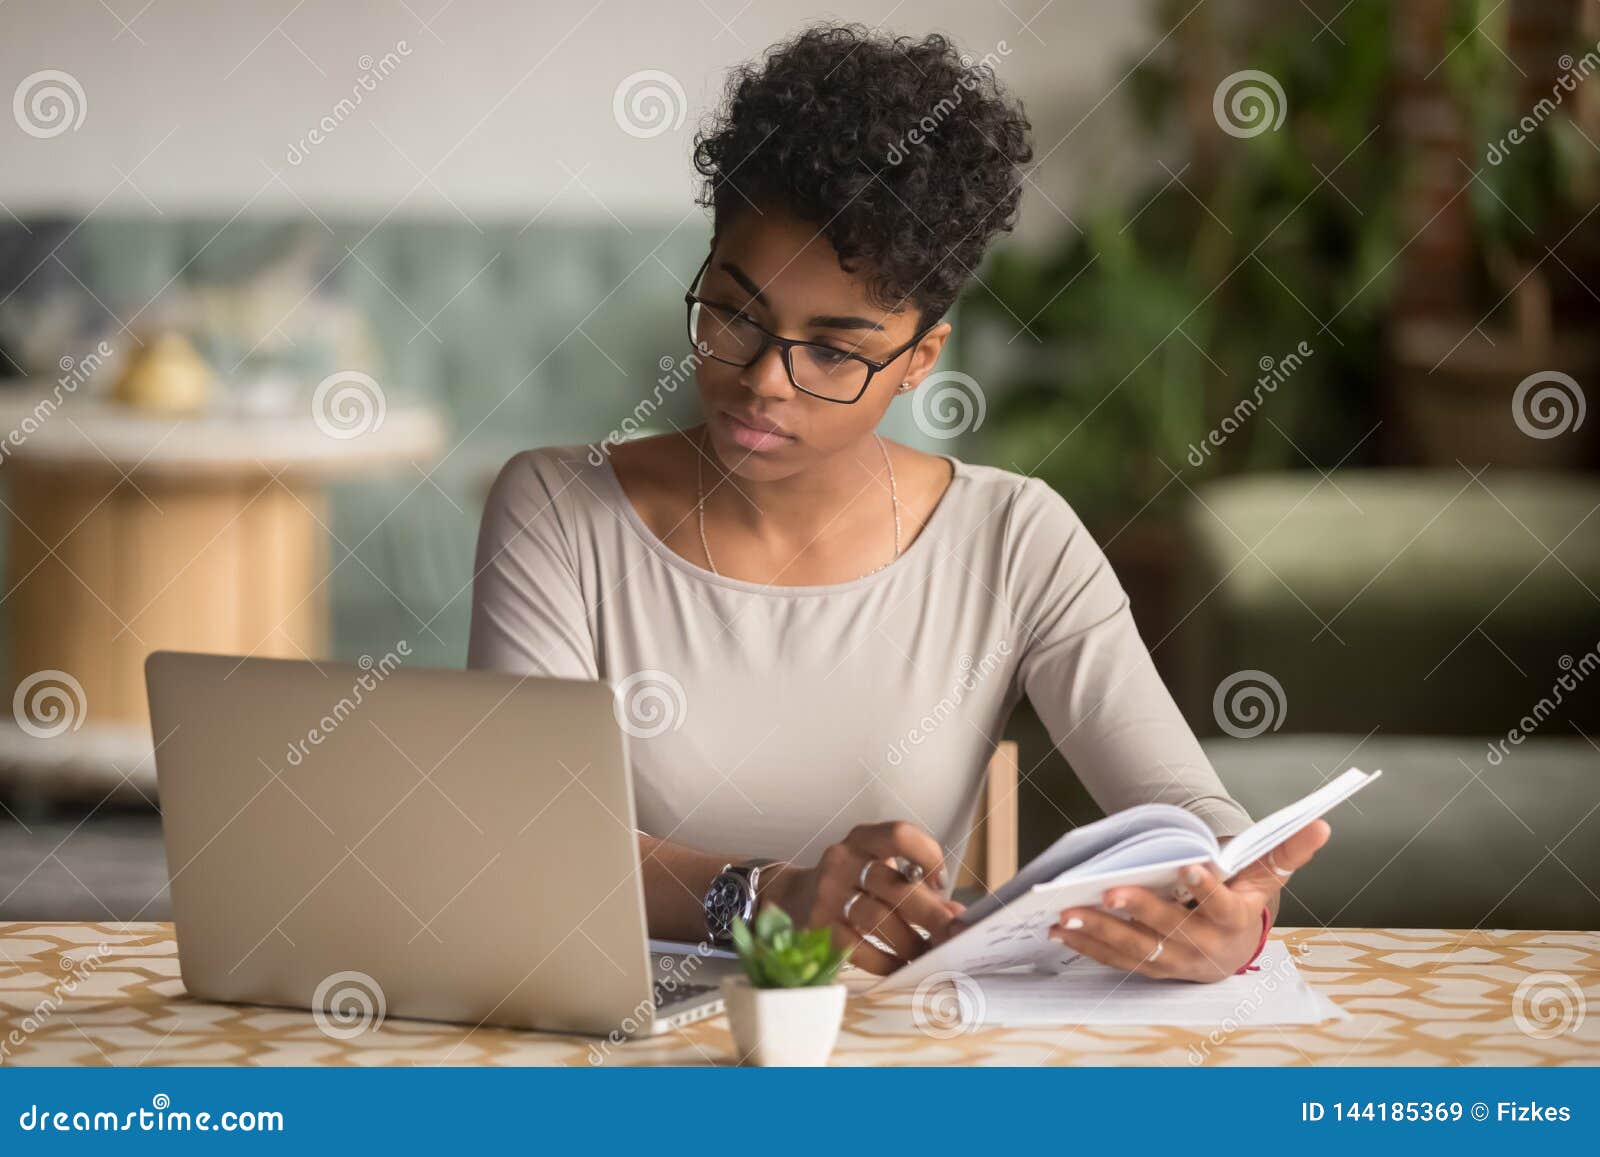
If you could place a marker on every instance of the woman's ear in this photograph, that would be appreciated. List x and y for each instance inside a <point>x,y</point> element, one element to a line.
<point>924,357</point>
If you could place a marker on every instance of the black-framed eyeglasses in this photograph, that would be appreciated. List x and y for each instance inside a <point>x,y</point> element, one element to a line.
<point>730,336</point>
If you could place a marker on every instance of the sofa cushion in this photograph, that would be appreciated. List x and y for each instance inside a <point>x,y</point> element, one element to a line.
<point>1421,602</point>
<point>1455,834</point>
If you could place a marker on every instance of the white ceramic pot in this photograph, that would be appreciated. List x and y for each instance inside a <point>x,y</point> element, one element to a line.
<point>787,1027</point>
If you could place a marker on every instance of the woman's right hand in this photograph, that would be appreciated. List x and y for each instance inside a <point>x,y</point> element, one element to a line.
<point>888,904</point>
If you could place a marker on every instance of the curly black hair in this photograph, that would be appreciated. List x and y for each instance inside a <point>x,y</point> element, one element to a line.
<point>905,153</point>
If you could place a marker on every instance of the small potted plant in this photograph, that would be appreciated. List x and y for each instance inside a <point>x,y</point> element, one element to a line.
<point>787,1008</point>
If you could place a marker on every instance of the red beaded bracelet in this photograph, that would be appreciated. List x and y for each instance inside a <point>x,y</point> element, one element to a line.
<point>1266,926</point>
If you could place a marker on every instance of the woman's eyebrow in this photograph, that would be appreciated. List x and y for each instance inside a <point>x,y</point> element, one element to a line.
<point>745,283</point>
<point>828,322</point>
<point>822,321</point>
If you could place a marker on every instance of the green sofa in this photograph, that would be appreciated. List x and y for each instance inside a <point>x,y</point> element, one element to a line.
<point>1415,602</point>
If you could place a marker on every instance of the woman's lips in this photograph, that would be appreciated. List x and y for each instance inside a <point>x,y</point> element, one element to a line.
<point>754,438</point>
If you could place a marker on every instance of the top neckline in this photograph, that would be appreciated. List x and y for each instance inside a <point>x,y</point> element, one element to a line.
<point>675,560</point>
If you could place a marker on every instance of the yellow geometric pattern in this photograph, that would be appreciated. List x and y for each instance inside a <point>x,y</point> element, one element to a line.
<point>1415,997</point>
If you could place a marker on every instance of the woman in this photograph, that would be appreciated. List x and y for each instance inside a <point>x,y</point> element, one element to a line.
<point>832,629</point>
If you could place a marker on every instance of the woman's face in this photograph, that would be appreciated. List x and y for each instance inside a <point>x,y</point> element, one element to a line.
<point>784,275</point>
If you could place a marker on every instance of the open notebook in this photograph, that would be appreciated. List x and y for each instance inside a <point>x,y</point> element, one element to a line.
<point>1146,845</point>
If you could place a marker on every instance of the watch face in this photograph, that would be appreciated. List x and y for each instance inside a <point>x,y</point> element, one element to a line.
<point>725,901</point>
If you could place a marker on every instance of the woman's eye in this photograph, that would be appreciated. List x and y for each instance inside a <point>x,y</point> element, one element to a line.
<point>828,355</point>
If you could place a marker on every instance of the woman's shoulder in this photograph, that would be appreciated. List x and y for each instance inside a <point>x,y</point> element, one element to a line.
<point>544,462</point>
<point>583,478</point>
<point>554,480</point>
<point>1008,495</point>
<point>564,464</point>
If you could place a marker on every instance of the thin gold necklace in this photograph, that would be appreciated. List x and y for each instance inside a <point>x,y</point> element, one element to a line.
<point>700,505</point>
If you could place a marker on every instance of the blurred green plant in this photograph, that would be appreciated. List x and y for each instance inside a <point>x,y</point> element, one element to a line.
<point>1142,332</point>
<point>1538,174</point>
<point>777,955</point>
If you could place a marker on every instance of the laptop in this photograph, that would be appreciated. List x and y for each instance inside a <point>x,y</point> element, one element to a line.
<point>440,844</point>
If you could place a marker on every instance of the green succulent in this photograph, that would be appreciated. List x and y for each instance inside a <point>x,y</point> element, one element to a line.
<point>778,955</point>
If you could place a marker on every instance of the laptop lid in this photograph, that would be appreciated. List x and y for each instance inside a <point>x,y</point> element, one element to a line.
<point>465,840</point>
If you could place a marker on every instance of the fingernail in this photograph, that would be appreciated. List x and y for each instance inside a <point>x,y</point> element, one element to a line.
<point>1114,902</point>
<point>1193,875</point>
<point>1072,924</point>
<point>938,878</point>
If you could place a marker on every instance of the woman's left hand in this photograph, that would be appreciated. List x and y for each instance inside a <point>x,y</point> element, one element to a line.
<point>1208,942</point>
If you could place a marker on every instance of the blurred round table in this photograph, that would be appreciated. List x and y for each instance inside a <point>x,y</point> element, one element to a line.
<point>130,532</point>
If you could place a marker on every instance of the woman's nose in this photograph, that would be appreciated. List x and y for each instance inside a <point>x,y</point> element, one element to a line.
<point>766,376</point>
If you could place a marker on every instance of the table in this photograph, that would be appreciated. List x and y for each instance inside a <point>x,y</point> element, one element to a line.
<point>1416,997</point>
<point>130,532</point>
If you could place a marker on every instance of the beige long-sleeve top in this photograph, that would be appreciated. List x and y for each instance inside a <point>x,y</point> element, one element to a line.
<point>769,720</point>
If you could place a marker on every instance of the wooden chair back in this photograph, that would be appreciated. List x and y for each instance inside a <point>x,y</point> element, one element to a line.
<point>991,855</point>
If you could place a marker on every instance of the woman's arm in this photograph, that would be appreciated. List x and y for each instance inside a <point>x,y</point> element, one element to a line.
<point>528,611</point>
<point>676,879</point>
<point>1089,675</point>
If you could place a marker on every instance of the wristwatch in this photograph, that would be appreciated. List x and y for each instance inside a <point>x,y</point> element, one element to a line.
<point>732,896</point>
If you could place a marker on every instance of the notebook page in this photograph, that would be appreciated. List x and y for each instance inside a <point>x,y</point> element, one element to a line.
<point>1088,992</point>
<point>1154,847</point>
<point>1262,837</point>
<point>1082,845</point>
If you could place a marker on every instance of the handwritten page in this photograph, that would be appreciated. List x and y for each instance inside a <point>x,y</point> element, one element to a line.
<point>1088,992</point>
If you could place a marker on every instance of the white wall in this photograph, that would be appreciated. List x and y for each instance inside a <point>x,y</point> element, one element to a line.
<point>499,109</point>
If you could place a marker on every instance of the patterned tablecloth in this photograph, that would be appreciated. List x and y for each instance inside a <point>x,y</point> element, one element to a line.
<point>110,994</point>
